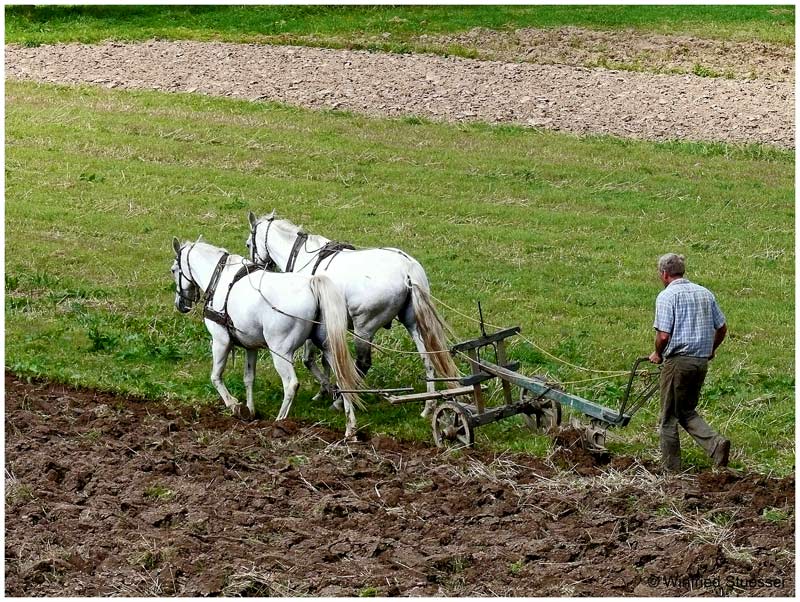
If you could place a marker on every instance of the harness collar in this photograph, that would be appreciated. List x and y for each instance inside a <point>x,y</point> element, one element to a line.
<point>215,276</point>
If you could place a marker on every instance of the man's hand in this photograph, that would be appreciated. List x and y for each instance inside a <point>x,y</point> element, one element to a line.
<point>662,339</point>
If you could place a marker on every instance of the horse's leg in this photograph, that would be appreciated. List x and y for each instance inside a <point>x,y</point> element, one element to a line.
<point>285,370</point>
<point>350,429</point>
<point>326,369</point>
<point>363,342</point>
<point>249,378</point>
<point>220,348</point>
<point>410,322</point>
<point>309,360</point>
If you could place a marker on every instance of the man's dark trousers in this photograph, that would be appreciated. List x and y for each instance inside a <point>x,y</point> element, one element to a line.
<point>681,380</point>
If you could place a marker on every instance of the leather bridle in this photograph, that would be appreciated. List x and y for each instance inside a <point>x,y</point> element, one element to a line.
<point>195,296</point>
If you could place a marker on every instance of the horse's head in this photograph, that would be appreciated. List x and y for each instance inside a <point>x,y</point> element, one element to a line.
<point>187,293</point>
<point>259,232</point>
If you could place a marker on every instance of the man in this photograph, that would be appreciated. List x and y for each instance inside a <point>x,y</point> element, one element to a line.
<point>689,327</point>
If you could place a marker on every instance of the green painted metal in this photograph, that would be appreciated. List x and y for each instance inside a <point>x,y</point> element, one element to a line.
<point>541,389</point>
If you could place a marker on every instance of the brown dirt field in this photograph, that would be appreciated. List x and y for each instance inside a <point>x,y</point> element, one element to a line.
<point>113,496</point>
<point>556,97</point>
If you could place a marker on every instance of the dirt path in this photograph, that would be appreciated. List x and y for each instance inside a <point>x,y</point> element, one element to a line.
<point>559,97</point>
<point>112,496</point>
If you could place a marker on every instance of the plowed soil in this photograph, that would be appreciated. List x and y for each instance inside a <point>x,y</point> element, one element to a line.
<point>106,495</point>
<point>557,97</point>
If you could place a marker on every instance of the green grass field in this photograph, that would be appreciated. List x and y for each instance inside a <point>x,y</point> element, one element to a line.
<point>334,25</point>
<point>556,233</point>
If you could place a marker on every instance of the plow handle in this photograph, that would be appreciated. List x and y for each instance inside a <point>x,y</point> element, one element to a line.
<point>626,397</point>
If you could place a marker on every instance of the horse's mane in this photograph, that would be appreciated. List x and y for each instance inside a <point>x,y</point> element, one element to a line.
<point>287,227</point>
<point>206,243</point>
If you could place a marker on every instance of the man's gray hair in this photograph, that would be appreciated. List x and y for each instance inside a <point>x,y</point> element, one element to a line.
<point>672,264</point>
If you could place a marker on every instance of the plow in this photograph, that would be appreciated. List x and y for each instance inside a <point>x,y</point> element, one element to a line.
<point>464,407</point>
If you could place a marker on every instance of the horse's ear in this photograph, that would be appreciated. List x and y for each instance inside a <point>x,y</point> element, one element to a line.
<point>200,239</point>
<point>272,214</point>
<point>251,217</point>
<point>176,244</point>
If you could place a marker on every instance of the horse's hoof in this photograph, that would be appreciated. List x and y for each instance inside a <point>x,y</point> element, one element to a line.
<point>353,438</point>
<point>242,412</point>
<point>336,406</point>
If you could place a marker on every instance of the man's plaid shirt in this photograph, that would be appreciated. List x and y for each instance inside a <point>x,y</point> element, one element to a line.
<point>690,314</point>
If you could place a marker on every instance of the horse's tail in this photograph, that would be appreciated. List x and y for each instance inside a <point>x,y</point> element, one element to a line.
<point>430,324</point>
<point>334,316</point>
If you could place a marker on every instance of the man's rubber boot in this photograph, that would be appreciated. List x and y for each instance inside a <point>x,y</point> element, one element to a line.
<point>722,453</point>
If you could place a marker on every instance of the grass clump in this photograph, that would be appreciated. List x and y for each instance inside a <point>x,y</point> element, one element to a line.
<point>297,461</point>
<point>775,515</point>
<point>18,493</point>
<point>515,568</point>
<point>158,493</point>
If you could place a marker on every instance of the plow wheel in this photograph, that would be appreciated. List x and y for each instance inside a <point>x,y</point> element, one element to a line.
<point>452,425</point>
<point>546,414</point>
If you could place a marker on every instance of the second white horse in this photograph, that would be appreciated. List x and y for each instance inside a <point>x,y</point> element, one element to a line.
<point>378,285</point>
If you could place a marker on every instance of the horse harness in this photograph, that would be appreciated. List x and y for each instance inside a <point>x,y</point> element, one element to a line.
<point>301,239</point>
<point>221,316</point>
<point>329,249</point>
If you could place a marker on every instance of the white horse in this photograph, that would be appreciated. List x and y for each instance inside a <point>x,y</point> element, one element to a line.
<point>378,286</point>
<point>254,308</point>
